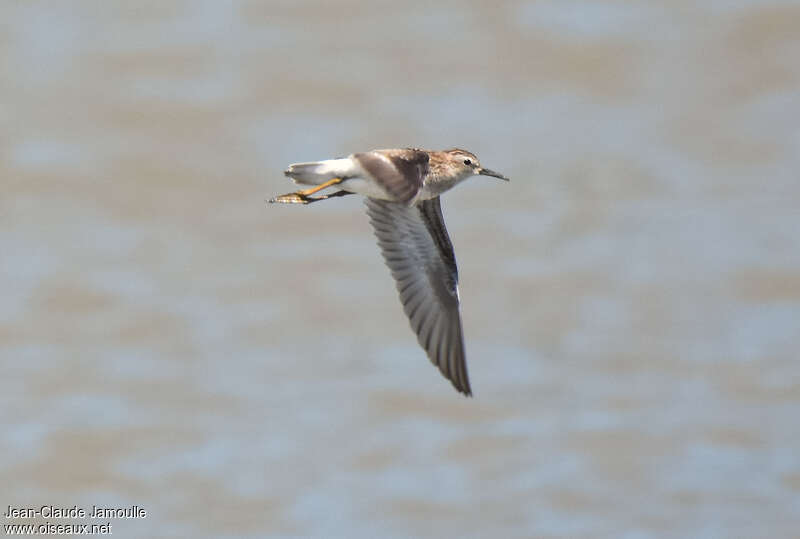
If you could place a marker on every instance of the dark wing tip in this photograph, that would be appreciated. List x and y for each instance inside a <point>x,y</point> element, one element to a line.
<point>464,390</point>
<point>453,363</point>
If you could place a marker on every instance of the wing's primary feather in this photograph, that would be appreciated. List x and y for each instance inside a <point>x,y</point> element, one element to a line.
<point>418,251</point>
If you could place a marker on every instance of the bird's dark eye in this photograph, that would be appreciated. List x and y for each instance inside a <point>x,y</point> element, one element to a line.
<point>467,162</point>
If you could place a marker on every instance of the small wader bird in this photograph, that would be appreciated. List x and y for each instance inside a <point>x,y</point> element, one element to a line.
<point>402,189</point>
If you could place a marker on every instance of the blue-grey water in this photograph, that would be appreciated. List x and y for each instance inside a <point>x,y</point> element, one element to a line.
<point>631,300</point>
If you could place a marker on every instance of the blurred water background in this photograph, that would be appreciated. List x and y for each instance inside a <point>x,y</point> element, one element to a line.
<point>631,300</point>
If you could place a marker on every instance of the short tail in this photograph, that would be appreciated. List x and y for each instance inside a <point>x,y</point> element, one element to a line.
<point>320,171</point>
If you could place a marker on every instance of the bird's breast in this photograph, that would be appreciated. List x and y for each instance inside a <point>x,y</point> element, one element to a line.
<point>435,187</point>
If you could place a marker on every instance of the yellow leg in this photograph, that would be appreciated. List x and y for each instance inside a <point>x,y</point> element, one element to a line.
<point>320,187</point>
<point>302,197</point>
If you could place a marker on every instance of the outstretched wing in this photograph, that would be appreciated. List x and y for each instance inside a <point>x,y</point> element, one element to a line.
<point>418,251</point>
<point>399,172</point>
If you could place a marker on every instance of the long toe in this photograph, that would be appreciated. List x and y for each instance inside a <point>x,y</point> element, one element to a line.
<point>290,198</point>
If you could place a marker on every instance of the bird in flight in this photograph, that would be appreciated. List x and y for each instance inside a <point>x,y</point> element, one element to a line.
<point>402,189</point>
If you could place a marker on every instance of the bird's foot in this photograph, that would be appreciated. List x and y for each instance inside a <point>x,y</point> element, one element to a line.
<point>301,198</point>
<point>292,198</point>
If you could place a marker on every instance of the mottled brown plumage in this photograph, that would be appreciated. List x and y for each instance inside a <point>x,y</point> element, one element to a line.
<point>399,172</point>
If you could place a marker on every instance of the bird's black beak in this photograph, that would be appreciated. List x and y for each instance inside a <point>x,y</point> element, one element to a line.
<point>487,172</point>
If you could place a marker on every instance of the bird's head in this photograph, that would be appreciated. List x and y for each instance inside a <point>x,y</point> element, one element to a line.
<point>464,164</point>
